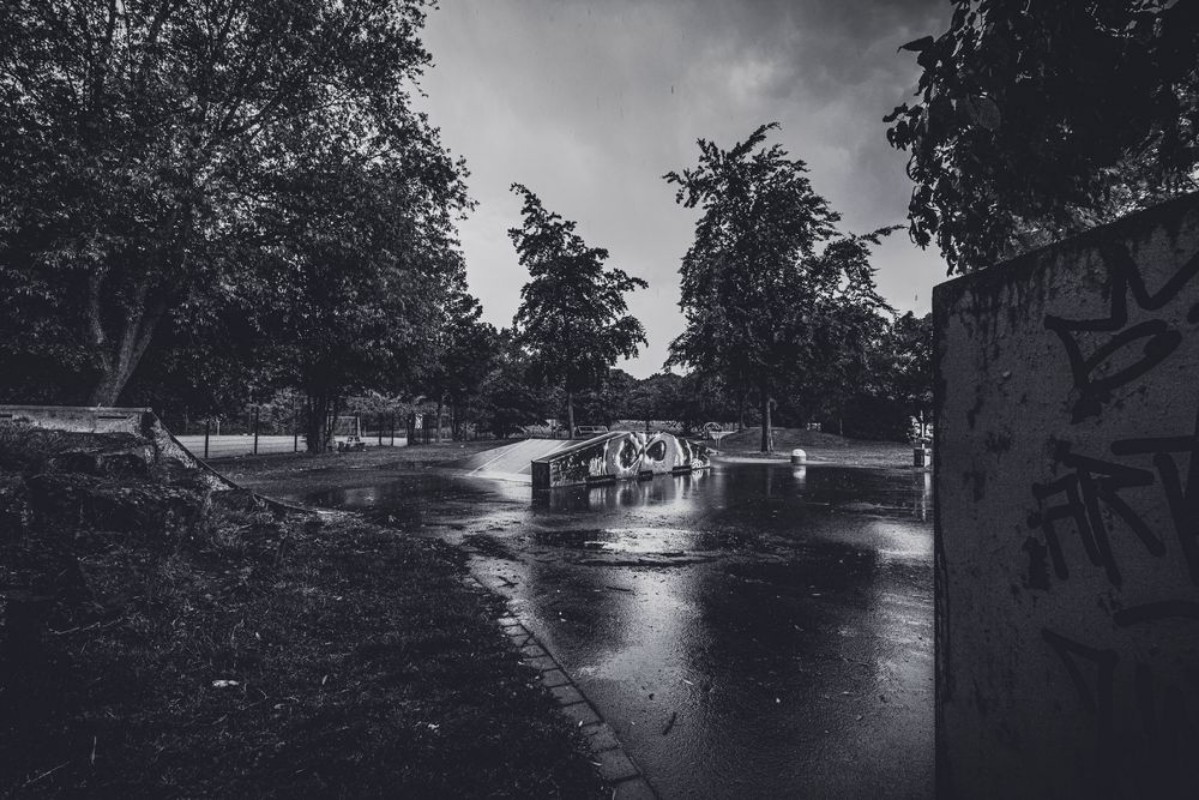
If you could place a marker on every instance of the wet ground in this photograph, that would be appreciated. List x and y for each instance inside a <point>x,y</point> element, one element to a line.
<point>755,631</point>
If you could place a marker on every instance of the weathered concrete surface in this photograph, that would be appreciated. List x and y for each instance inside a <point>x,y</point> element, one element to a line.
<point>512,461</point>
<point>618,456</point>
<point>79,419</point>
<point>1067,490</point>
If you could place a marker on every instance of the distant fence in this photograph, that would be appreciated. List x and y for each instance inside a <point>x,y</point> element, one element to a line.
<point>265,431</point>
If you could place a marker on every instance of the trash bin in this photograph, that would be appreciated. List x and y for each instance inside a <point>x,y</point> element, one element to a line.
<point>799,456</point>
<point>922,457</point>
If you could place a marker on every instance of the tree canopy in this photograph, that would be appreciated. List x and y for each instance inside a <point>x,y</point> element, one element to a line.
<point>1039,119</point>
<point>573,318</point>
<point>152,152</point>
<point>770,290</point>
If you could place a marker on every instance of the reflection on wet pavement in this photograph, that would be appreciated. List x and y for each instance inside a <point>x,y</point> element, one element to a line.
<point>782,617</point>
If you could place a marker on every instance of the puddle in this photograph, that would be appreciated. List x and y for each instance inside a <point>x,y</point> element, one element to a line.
<point>782,617</point>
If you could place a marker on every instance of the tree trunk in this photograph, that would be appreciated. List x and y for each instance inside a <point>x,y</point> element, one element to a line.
<point>316,408</point>
<point>112,382</point>
<point>322,410</point>
<point>570,413</point>
<point>741,404</point>
<point>440,402</point>
<point>767,443</point>
<point>117,361</point>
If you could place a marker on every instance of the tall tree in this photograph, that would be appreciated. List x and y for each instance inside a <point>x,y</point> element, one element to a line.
<point>573,318</point>
<point>466,350</point>
<point>508,398</point>
<point>608,402</point>
<point>757,293</point>
<point>347,278</point>
<point>136,137</point>
<point>1039,119</point>
<point>909,369</point>
<point>853,328</point>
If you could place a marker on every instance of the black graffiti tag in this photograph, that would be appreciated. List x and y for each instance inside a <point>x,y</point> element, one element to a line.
<point>1149,752</point>
<point>1090,482</point>
<point>1160,339</point>
<point>1182,500</point>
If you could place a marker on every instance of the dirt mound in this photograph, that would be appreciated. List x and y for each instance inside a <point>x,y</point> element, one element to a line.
<point>67,498</point>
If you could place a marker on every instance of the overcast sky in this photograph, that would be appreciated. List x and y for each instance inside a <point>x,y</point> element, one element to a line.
<point>590,102</point>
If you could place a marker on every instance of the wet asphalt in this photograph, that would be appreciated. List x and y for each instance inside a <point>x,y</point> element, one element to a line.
<point>754,631</point>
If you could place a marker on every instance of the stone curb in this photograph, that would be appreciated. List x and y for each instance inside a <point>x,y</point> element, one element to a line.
<point>607,754</point>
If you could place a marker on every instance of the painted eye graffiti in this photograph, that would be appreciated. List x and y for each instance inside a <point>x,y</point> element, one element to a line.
<point>628,455</point>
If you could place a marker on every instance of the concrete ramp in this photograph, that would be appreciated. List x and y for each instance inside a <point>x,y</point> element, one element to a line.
<point>513,461</point>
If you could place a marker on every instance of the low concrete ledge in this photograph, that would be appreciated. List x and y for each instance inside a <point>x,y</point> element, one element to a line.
<point>80,419</point>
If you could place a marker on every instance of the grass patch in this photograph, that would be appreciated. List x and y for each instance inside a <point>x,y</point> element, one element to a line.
<point>820,446</point>
<point>243,655</point>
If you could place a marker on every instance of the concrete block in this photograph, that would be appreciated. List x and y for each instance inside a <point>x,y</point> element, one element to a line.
<point>634,789</point>
<point>600,737</point>
<point>581,714</point>
<point>554,677</point>
<point>540,663</point>
<point>1067,491</point>
<point>616,766</point>
<point>566,695</point>
<point>516,631</point>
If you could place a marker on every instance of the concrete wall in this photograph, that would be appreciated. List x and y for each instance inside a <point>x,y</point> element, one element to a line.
<point>1067,518</point>
<point>618,456</point>
<point>81,419</point>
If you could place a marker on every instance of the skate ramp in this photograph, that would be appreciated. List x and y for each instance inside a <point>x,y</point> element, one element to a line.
<point>513,461</point>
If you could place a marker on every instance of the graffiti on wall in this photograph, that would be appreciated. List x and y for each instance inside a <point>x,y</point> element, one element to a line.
<point>1093,373</point>
<point>1104,509</point>
<point>623,455</point>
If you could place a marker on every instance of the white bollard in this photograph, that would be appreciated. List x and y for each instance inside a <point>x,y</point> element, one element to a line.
<point>799,456</point>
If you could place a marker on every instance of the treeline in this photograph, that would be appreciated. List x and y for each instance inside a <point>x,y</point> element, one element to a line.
<point>206,201</point>
<point>877,401</point>
<point>211,204</point>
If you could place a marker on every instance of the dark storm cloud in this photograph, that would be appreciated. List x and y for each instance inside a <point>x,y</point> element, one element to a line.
<point>589,103</point>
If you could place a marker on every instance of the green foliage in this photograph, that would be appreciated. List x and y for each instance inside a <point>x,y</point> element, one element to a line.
<point>164,160</point>
<point>908,368</point>
<point>465,352</point>
<point>607,402</point>
<point>771,293</point>
<point>573,318</point>
<point>1037,120</point>
<point>508,398</point>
